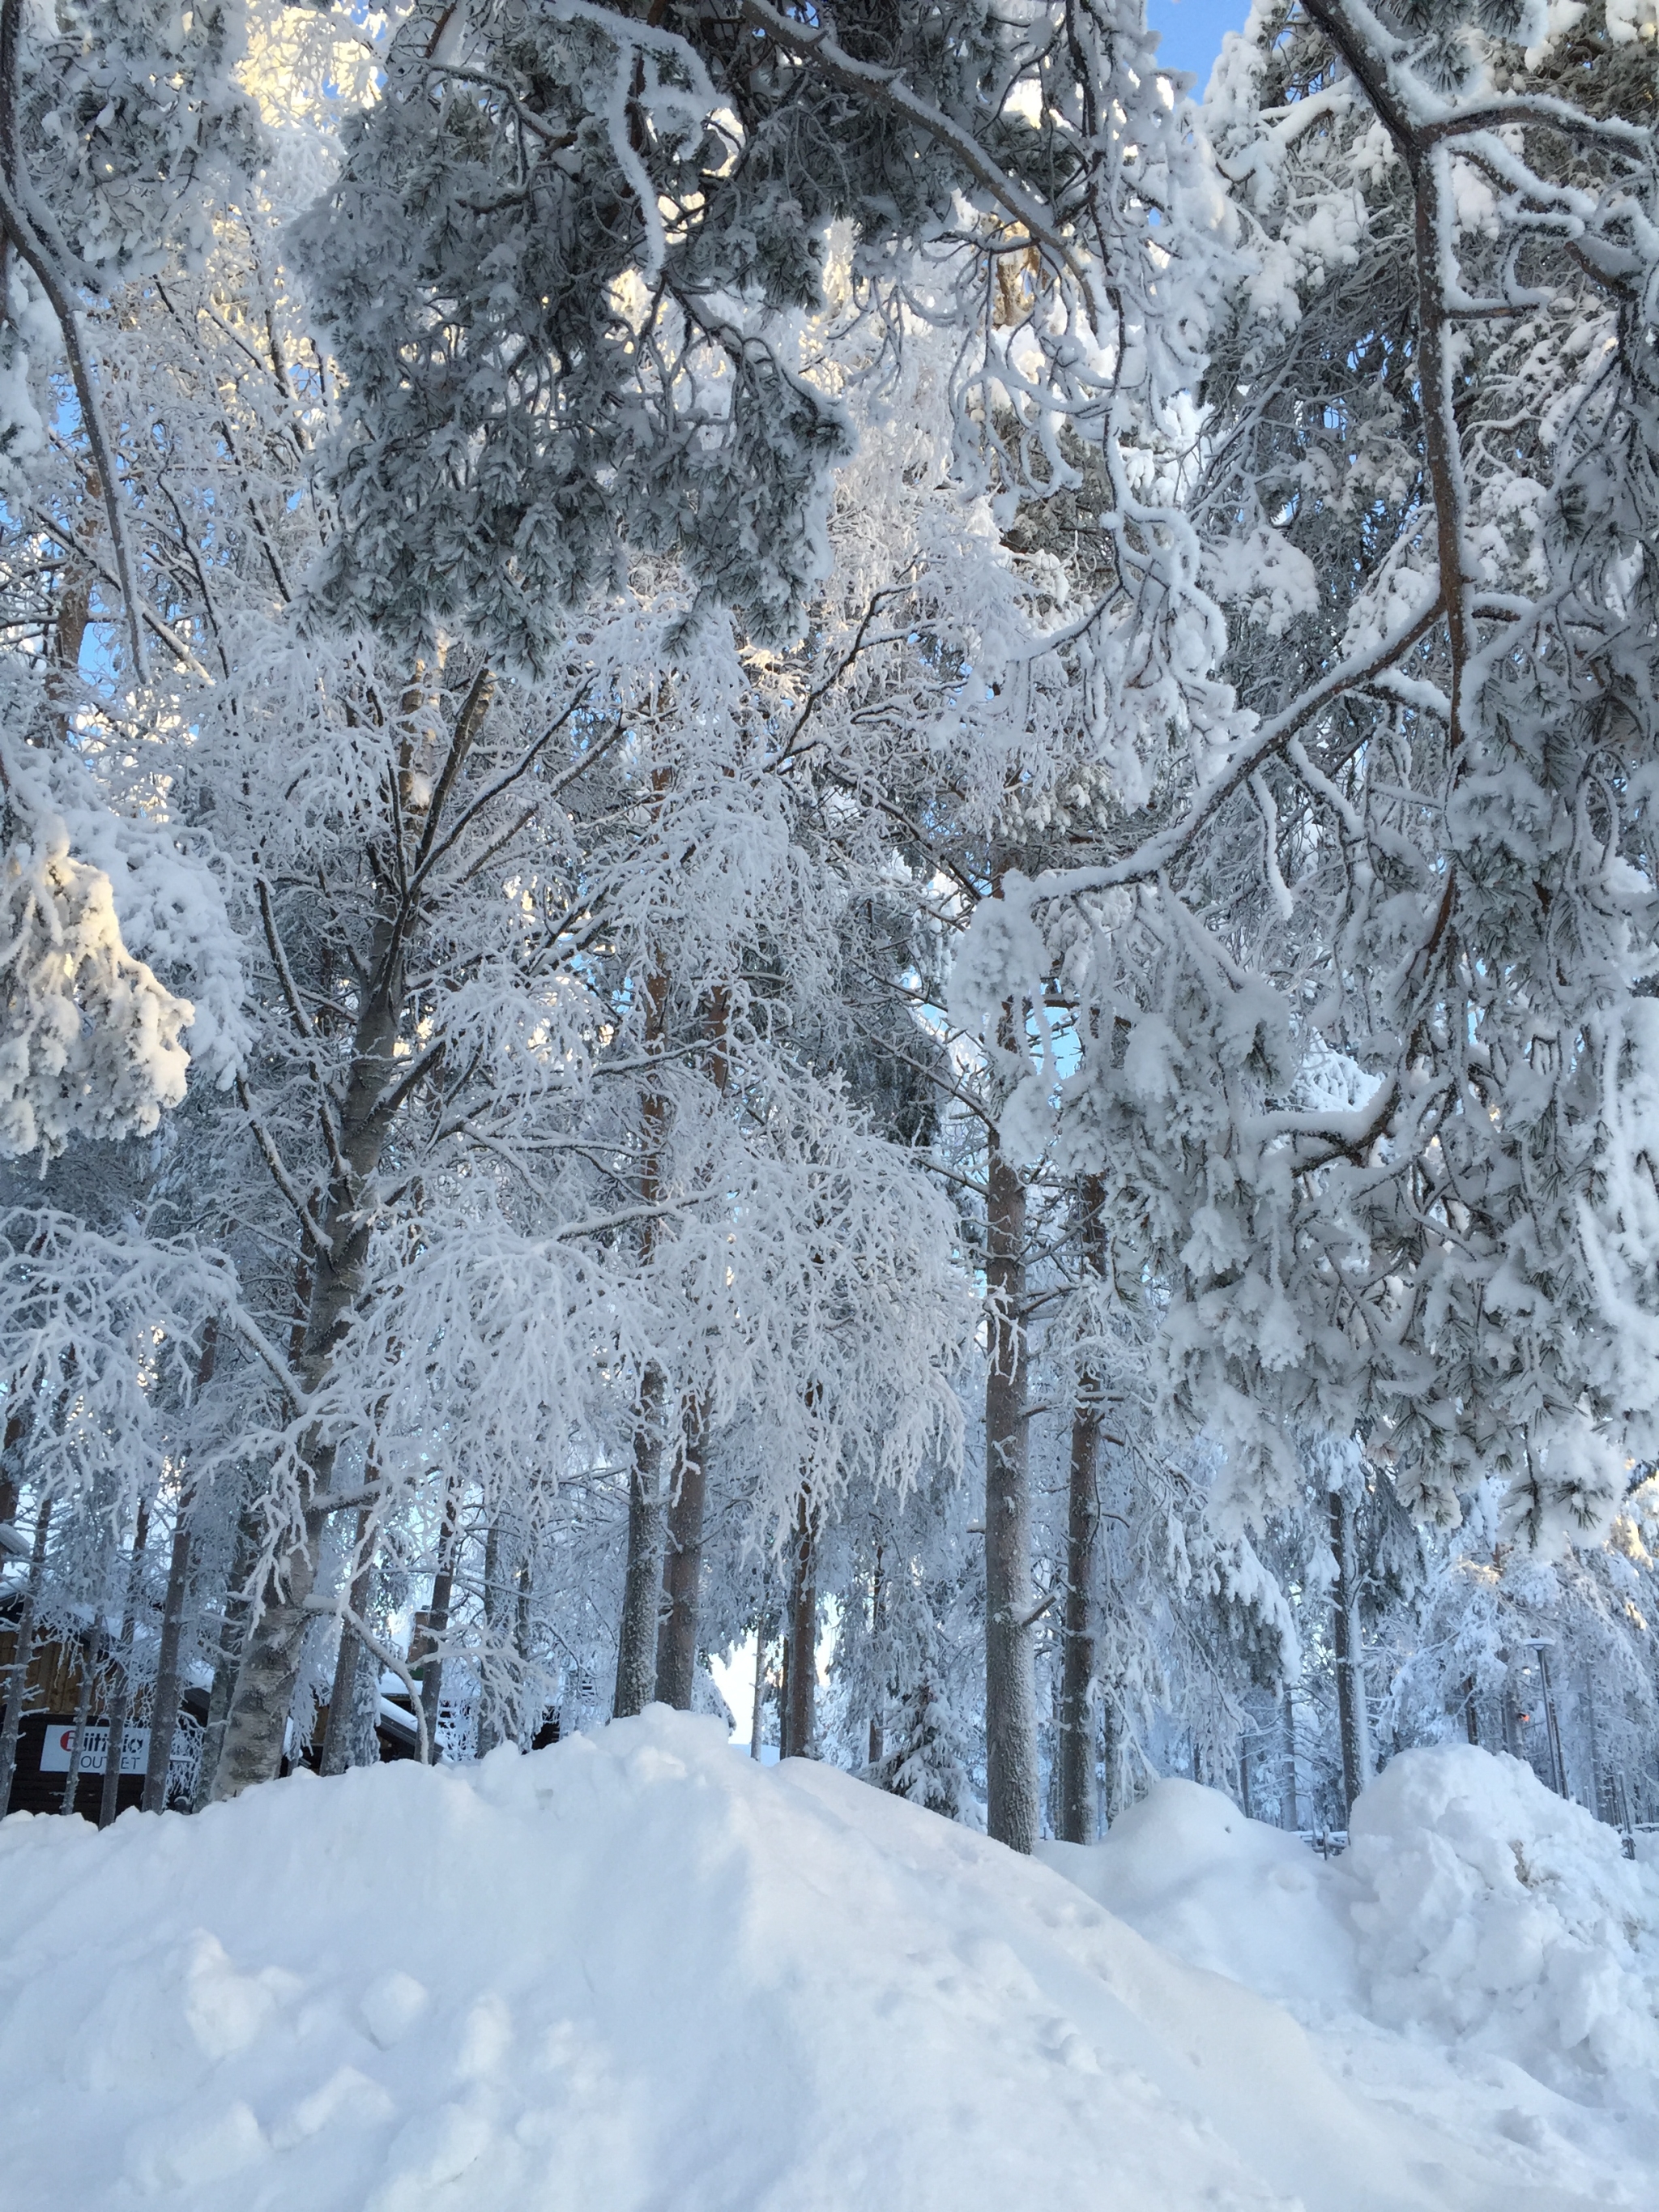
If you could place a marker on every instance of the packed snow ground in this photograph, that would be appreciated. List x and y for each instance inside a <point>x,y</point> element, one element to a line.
<point>637,1970</point>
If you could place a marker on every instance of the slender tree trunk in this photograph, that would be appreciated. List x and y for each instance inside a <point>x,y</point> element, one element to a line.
<point>636,1648</point>
<point>1077,1735</point>
<point>637,1641</point>
<point>232,1628</point>
<point>803,1636</point>
<point>351,1656</point>
<point>681,1574</point>
<point>783,1687</point>
<point>1108,1760</point>
<point>490,1731</point>
<point>1348,1639</point>
<point>677,1632</point>
<point>1293,1812</point>
<point>877,1616</point>
<point>92,1654</point>
<point>1011,1734</point>
<point>120,1710</point>
<point>758,1709</point>
<point>164,1711</point>
<point>1552,1724</point>
<point>443,1590</point>
<point>1600,1797</point>
<point>23,1652</point>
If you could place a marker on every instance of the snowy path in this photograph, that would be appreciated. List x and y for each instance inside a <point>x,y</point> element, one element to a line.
<point>637,1971</point>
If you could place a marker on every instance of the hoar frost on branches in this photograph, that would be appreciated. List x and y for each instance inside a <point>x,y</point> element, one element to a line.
<point>89,1039</point>
<point>1423,850</point>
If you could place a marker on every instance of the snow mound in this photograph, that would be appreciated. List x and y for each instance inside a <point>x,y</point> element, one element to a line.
<point>1185,1868</point>
<point>1486,1908</point>
<point>1475,1914</point>
<point>637,1970</point>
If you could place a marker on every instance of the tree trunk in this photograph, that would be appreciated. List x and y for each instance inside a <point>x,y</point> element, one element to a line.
<point>1011,1734</point>
<point>23,1652</point>
<point>121,1703</point>
<point>164,1713</point>
<point>1347,1638</point>
<point>16,1428</point>
<point>677,1632</point>
<point>682,1573</point>
<point>164,1706</point>
<point>490,1731</point>
<point>1108,1804</point>
<point>758,1709</point>
<point>636,1645</point>
<point>1552,1724</point>
<point>270,1671</point>
<point>877,1604</point>
<point>232,1628</point>
<point>1293,1812</point>
<point>526,1724</point>
<point>92,1652</point>
<point>443,1590</point>
<point>802,1665</point>
<point>1076,1736</point>
<point>636,1640</point>
<point>342,1697</point>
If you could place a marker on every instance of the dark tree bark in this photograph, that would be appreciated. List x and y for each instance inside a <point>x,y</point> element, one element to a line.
<point>877,1618</point>
<point>1011,1734</point>
<point>682,1572</point>
<point>1347,1639</point>
<point>1077,1734</point>
<point>1471,1716</point>
<point>121,1703</point>
<point>802,1668</point>
<point>16,1428</point>
<point>23,1651</point>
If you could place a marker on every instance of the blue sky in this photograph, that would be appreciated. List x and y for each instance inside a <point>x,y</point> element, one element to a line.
<point>1191,31</point>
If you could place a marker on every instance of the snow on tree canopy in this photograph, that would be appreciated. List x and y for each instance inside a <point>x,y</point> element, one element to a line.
<point>88,1038</point>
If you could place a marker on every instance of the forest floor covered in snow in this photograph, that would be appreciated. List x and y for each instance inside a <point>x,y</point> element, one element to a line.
<point>637,1970</point>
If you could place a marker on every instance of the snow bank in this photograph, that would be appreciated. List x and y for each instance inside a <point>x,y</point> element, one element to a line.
<point>1482,1954</point>
<point>1485,1907</point>
<point>636,1971</point>
<point>1474,1907</point>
